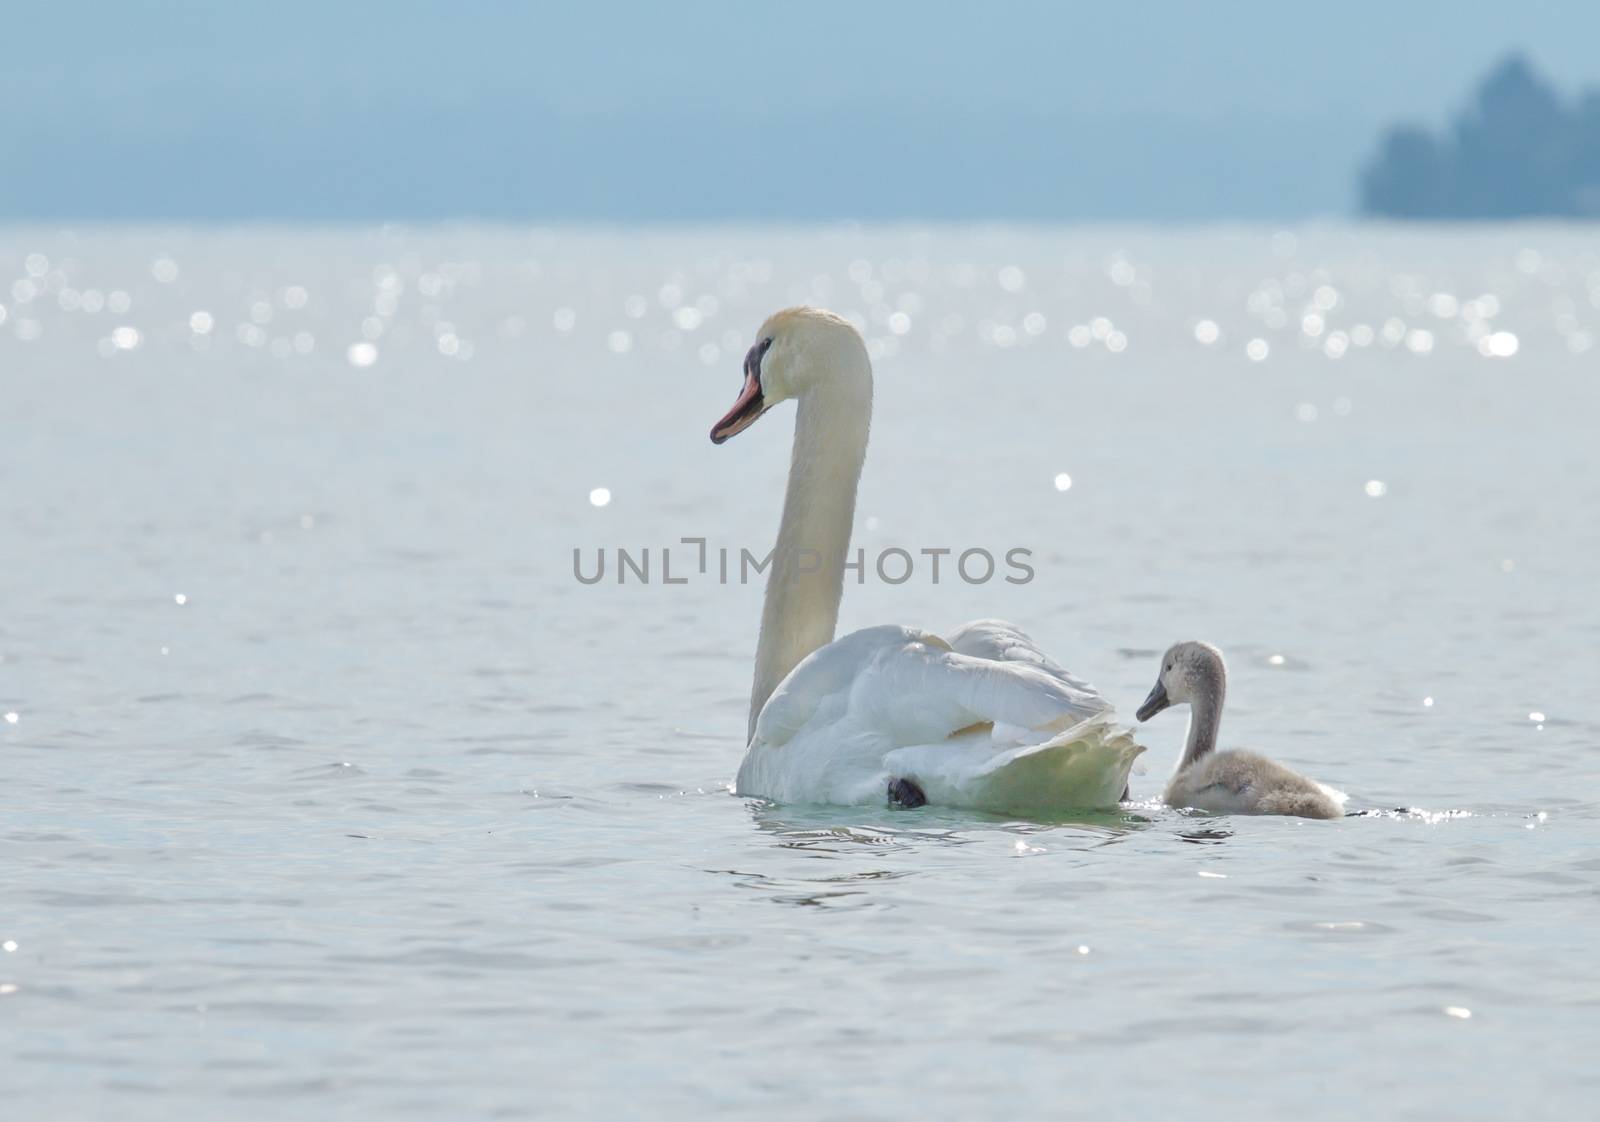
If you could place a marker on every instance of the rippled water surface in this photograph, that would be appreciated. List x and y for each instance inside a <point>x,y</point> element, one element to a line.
<point>330,789</point>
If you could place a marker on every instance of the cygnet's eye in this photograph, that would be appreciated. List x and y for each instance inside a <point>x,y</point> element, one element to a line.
<point>1169,668</point>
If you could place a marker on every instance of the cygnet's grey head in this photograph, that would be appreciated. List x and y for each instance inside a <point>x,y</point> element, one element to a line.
<point>1188,670</point>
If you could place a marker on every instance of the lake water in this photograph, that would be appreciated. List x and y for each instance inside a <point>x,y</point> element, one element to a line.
<point>330,789</point>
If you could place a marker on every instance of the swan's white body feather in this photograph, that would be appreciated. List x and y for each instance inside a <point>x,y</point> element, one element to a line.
<point>983,720</point>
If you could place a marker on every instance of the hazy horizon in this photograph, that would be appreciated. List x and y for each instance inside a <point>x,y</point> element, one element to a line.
<point>712,112</point>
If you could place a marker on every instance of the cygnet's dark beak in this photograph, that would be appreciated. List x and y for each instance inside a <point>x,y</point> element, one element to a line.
<point>1155,703</point>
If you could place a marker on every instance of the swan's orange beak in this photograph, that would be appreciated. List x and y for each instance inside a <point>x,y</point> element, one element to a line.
<point>744,411</point>
<point>751,404</point>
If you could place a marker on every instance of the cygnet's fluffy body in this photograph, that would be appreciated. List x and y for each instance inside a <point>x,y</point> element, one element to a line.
<point>1228,782</point>
<point>1235,782</point>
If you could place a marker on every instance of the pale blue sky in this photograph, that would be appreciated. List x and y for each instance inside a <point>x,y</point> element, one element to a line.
<point>706,110</point>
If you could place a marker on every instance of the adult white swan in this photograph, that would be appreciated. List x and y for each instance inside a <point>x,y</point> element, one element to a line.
<point>981,720</point>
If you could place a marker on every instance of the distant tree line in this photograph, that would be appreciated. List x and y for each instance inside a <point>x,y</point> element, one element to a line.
<point>1518,151</point>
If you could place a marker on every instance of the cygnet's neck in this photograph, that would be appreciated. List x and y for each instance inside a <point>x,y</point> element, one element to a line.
<point>1205,712</point>
<point>806,582</point>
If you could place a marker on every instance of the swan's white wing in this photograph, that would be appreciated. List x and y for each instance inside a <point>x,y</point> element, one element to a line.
<point>816,691</point>
<point>999,641</point>
<point>826,734</point>
<point>919,692</point>
<point>912,686</point>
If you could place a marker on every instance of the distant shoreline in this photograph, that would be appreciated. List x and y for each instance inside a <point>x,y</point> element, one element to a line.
<point>1518,151</point>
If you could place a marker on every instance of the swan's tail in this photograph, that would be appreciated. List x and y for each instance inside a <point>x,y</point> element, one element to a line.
<point>1085,767</point>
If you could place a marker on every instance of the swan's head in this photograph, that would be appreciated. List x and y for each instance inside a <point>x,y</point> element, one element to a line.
<point>1188,670</point>
<point>795,351</point>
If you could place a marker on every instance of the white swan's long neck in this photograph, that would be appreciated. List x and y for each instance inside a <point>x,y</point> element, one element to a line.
<point>1205,716</point>
<point>806,581</point>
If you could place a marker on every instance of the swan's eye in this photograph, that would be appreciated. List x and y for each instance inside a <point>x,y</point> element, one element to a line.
<point>1169,668</point>
<point>752,359</point>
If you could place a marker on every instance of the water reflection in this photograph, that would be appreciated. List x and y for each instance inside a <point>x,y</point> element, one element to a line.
<point>802,826</point>
<point>375,567</point>
<point>1207,835</point>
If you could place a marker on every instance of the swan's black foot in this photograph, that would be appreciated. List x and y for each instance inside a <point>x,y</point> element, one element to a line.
<point>903,792</point>
<point>1124,794</point>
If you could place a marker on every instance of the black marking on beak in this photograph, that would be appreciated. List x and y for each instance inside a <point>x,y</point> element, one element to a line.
<point>751,402</point>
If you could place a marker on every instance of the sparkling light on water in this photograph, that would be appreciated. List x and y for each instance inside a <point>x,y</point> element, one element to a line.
<point>1498,344</point>
<point>418,487</point>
